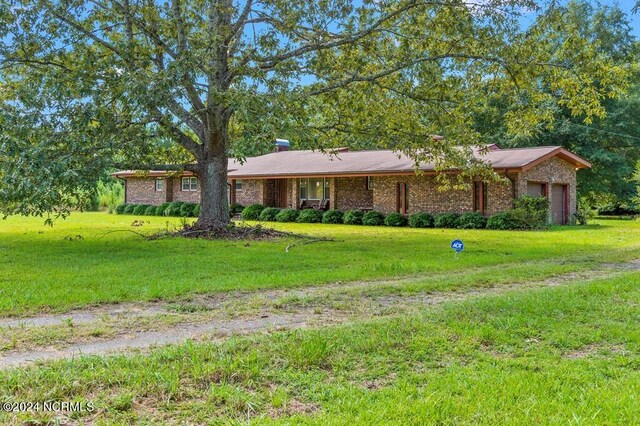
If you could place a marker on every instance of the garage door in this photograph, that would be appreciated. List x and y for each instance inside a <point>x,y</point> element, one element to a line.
<point>559,204</point>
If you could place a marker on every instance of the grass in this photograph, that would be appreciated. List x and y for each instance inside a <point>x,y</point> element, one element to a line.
<point>565,355</point>
<point>81,261</point>
<point>568,354</point>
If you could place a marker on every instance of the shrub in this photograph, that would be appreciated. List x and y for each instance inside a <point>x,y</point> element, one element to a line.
<point>373,218</point>
<point>584,213</point>
<point>532,212</point>
<point>269,214</point>
<point>129,208</point>
<point>332,216</point>
<point>421,220</point>
<point>395,219</point>
<point>150,210</point>
<point>471,220</point>
<point>619,209</point>
<point>252,212</point>
<point>186,210</point>
<point>173,209</point>
<point>236,208</point>
<point>121,208</point>
<point>310,216</point>
<point>353,217</point>
<point>504,220</point>
<point>140,209</point>
<point>287,215</point>
<point>445,220</point>
<point>161,209</point>
<point>196,210</point>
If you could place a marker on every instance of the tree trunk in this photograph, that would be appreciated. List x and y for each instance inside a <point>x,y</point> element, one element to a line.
<point>214,202</point>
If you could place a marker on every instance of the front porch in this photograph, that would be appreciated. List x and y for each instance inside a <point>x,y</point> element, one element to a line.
<point>322,193</point>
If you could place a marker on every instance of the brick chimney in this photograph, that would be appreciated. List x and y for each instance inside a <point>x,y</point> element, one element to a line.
<point>282,145</point>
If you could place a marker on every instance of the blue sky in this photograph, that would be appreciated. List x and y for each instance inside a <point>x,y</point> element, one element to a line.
<point>627,5</point>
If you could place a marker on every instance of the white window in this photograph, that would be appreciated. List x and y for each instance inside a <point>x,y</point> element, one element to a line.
<point>190,183</point>
<point>159,185</point>
<point>238,185</point>
<point>314,188</point>
<point>369,182</point>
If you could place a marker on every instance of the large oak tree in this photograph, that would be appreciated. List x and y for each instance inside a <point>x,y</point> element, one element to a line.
<point>89,85</point>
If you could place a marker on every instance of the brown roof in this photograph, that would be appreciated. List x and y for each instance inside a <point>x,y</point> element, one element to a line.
<point>380,162</point>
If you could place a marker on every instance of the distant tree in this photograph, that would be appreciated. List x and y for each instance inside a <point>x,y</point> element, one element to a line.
<point>611,142</point>
<point>87,85</point>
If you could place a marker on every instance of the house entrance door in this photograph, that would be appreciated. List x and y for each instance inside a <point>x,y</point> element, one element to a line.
<point>281,193</point>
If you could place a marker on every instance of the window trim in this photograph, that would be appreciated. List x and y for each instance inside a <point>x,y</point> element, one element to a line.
<point>238,182</point>
<point>191,181</point>
<point>161,182</point>
<point>326,189</point>
<point>369,183</point>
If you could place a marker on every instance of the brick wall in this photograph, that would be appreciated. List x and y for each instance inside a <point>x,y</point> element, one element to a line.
<point>351,193</point>
<point>268,192</point>
<point>251,193</point>
<point>142,190</point>
<point>184,196</point>
<point>499,197</point>
<point>552,171</point>
<point>424,195</point>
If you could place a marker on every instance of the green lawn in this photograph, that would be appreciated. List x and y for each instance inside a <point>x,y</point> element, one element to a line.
<point>559,355</point>
<point>549,356</point>
<point>80,261</point>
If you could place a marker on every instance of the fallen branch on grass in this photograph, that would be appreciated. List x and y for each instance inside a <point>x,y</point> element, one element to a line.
<point>309,240</point>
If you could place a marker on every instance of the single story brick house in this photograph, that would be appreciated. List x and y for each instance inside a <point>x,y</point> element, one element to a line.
<point>380,180</point>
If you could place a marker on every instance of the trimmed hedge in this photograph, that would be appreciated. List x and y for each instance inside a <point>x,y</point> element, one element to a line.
<point>532,212</point>
<point>445,220</point>
<point>471,220</point>
<point>173,209</point>
<point>373,218</point>
<point>353,217</point>
<point>287,215</point>
<point>504,221</point>
<point>252,212</point>
<point>236,208</point>
<point>421,220</point>
<point>186,210</point>
<point>150,211</point>
<point>332,216</point>
<point>129,209</point>
<point>309,216</point>
<point>269,214</point>
<point>161,209</point>
<point>121,208</point>
<point>196,210</point>
<point>395,219</point>
<point>140,209</point>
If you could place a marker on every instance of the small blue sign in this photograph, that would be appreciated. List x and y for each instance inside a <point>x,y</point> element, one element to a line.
<point>457,245</point>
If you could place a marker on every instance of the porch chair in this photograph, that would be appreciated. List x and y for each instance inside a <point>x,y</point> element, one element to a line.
<point>323,205</point>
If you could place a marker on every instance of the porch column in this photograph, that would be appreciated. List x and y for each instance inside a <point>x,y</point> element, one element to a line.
<point>295,193</point>
<point>332,193</point>
<point>232,190</point>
